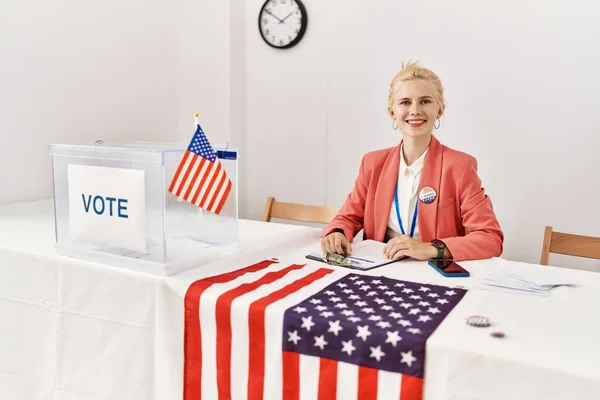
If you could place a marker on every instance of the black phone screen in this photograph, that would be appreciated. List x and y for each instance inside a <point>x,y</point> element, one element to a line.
<point>449,267</point>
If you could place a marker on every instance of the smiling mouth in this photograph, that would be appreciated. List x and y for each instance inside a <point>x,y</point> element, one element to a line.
<point>415,123</point>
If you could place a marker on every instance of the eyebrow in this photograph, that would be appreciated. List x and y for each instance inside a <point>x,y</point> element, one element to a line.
<point>424,97</point>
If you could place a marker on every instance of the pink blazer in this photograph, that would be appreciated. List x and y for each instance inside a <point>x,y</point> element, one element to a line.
<point>461,203</point>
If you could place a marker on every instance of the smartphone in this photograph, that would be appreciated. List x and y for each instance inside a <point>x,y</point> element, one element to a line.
<point>449,268</point>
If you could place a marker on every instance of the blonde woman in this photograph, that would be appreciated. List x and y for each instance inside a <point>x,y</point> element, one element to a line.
<point>420,197</point>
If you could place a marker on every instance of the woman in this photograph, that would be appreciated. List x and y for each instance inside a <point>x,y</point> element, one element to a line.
<point>420,197</point>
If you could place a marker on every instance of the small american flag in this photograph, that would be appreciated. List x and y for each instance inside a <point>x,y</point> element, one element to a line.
<point>277,331</point>
<point>200,178</point>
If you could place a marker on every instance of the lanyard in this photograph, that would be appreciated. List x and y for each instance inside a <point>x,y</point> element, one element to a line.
<point>414,221</point>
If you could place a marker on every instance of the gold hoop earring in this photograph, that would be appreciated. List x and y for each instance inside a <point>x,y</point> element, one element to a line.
<point>439,123</point>
<point>394,125</point>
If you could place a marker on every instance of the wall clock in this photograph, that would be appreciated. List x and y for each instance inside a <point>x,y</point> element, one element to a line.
<point>282,23</point>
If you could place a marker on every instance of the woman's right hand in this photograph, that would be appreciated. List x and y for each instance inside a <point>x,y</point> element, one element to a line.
<point>336,242</point>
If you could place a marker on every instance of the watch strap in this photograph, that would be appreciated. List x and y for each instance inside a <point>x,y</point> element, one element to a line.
<point>440,251</point>
<point>440,246</point>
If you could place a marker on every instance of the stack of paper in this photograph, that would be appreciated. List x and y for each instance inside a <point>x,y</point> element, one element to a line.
<point>522,282</point>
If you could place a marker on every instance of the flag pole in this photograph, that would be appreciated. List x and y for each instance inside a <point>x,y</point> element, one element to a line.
<point>195,120</point>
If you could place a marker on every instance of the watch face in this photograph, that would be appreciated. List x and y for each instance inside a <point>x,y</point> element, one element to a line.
<point>282,23</point>
<point>438,243</point>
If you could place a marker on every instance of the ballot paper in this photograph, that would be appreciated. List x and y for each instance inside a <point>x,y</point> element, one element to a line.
<point>523,282</point>
<point>365,255</point>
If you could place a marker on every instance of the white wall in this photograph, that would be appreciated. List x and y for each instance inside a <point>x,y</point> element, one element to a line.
<point>521,91</point>
<point>519,78</point>
<point>203,65</point>
<point>80,71</point>
<point>121,70</point>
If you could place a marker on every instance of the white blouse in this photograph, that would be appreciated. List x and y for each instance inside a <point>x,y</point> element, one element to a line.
<point>409,178</point>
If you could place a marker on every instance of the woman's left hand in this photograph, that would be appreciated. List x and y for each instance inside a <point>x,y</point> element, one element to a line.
<point>406,246</point>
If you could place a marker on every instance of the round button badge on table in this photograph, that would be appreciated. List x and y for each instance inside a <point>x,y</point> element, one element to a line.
<point>478,320</point>
<point>482,322</point>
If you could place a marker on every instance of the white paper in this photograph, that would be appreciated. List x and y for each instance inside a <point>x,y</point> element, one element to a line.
<point>107,206</point>
<point>541,278</point>
<point>522,282</point>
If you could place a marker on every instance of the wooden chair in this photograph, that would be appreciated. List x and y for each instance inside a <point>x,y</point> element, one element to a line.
<point>298,212</point>
<point>569,244</point>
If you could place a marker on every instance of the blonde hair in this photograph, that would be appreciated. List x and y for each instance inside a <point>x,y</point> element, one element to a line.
<point>412,71</point>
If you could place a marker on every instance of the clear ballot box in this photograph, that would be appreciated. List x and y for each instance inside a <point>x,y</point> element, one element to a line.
<point>112,205</point>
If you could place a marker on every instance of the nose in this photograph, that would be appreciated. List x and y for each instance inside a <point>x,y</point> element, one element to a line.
<point>415,108</point>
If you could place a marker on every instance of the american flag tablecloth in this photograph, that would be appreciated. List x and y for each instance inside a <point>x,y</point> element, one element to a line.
<point>277,331</point>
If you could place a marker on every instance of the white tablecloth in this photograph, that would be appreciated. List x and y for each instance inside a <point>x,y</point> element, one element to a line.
<point>78,330</point>
<point>550,351</point>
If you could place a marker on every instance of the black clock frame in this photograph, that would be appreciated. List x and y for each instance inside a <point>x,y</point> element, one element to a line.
<point>300,33</point>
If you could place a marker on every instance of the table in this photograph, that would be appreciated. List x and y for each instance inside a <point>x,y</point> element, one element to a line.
<point>77,330</point>
<point>550,351</point>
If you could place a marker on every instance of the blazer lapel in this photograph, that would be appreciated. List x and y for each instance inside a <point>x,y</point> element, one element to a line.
<point>430,178</point>
<point>384,193</point>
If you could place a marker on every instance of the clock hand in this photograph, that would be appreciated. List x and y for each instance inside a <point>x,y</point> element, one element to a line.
<point>286,17</point>
<point>277,18</point>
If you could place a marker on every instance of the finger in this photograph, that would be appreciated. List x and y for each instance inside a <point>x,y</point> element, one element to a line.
<point>327,244</point>
<point>338,245</point>
<point>398,254</point>
<point>387,249</point>
<point>390,250</point>
<point>398,251</point>
<point>397,247</point>
<point>387,246</point>
<point>347,246</point>
<point>396,240</point>
<point>331,245</point>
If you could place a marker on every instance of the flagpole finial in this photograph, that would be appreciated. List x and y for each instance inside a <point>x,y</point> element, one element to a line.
<point>196,115</point>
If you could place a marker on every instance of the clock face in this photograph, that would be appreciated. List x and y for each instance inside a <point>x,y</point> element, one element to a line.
<point>282,23</point>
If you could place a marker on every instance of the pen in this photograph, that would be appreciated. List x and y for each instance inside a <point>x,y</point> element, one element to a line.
<point>360,259</point>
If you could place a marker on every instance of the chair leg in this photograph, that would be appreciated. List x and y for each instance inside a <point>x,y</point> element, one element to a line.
<point>546,246</point>
<point>267,215</point>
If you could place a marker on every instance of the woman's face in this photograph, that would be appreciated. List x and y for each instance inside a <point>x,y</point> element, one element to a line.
<point>415,108</point>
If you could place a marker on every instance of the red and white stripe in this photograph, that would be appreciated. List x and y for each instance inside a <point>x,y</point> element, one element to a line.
<point>250,364</point>
<point>201,182</point>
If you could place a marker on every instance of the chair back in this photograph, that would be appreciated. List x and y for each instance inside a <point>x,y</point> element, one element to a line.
<point>569,244</point>
<point>298,212</point>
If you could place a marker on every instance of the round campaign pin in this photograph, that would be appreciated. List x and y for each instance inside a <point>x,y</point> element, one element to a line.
<point>478,320</point>
<point>427,195</point>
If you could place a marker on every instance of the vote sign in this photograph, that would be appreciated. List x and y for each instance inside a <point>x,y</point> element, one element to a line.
<point>107,206</point>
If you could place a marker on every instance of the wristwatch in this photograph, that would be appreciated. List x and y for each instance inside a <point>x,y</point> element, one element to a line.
<point>440,246</point>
